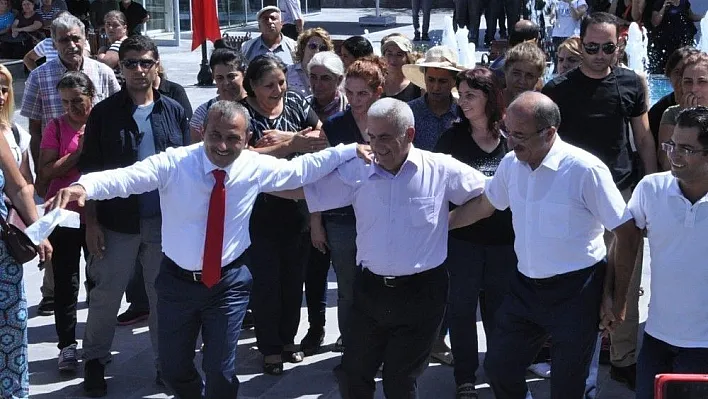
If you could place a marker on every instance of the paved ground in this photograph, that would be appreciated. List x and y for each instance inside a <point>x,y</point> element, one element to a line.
<point>131,373</point>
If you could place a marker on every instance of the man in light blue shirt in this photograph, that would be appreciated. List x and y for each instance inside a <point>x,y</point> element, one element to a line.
<point>401,206</point>
<point>271,39</point>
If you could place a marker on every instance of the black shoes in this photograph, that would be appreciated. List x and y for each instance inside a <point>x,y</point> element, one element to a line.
<point>626,375</point>
<point>416,36</point>
<point>46,306</point>
<point>425,37</point>
<point>94,382</point>
<point>132,316</point>
<point>311,344</point>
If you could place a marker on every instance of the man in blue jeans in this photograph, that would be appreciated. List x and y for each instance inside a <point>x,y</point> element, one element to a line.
<point>673,208</point>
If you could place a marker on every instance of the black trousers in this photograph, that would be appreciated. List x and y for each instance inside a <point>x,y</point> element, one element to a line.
<point>316,286</point>
<point>67,244</point>
<point>566,307</point>
<point>290,30</point>
<point>278,269</point>
<point>396,326</point>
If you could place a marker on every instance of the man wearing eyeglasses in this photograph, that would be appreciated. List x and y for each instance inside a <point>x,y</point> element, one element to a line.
<point>673,208</point>
<point>599,103</point>
<point>127,127</point>
<point>41,103</point>
<point>562,198</point>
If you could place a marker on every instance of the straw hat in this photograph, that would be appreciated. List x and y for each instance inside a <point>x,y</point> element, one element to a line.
<point>441,57</point>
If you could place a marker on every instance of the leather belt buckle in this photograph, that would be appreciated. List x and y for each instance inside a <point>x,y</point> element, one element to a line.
<point>389,282</point>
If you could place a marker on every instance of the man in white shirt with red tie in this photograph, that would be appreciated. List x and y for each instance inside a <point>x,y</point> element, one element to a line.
<point>204,284</point>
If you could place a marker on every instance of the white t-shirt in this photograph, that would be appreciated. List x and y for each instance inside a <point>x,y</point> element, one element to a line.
<point>18,148</point>
<point>677,231</point>
<point>566,25</point>
<point>289,11</point>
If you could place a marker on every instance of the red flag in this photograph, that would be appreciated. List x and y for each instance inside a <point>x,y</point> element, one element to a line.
<point>205,23</point>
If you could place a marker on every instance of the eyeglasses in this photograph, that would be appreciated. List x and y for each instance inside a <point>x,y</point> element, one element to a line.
<point>315,46</point>
<point>517,136</point>
<point>671,148</point>
<point>594,48</point>
<point>73,38</point>
<point>144,63</point>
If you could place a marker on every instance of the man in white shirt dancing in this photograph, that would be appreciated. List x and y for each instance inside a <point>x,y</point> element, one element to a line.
<point>203,282</point>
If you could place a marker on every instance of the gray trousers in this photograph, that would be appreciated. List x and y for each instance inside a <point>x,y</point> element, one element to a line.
<point>110,276</point>
<point>427,6</point>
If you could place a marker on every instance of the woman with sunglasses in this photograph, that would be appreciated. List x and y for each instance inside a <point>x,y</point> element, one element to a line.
<point>309,43</point>
<point>62,142</point>
<point>481,258</point>
<point>694,92</point>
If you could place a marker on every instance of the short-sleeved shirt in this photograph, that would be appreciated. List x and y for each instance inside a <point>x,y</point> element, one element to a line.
<point>6,20</point>
<point>48,15</point>
<point>289,11</point>
<point>560,209</point>
<point>255,47</point>
<point>676,231</point>
<point>41,99</point>
<point>671,115</point>
<point>656,113</point>
<point>428,126</point>
<point>200,114</point>
<point>18,147</point>
<point>65,141</point>
<point>458,142</point>
<point>24,22</point>
<point>595,114</point>
<point>135,13</point>
<point>99,9</point>
<point>566,25</point>
<point>273,216</point>
<point>46,49</point>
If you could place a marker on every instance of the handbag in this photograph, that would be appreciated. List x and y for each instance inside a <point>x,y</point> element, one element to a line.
<point>18,244</point>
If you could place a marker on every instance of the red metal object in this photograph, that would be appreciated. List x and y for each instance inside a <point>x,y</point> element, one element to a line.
<point>662,382</point>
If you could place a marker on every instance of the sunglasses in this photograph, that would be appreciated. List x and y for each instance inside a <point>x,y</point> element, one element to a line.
<point>593,48</point>
<point>144,63</point>
<point>315,46</point>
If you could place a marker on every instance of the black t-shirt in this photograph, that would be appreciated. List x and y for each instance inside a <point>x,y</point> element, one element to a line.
<point>24,22</point>
<point>273,216</point>
<point>595,114</point>
<point>496,229</point>
<point>411,92</point>
<point>134,14</point>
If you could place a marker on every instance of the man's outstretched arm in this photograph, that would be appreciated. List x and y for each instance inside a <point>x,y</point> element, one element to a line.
<point>471,212</point>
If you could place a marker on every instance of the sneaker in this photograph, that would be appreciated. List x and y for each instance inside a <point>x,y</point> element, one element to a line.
<point>94,381</point>
<point>625,375</point>
<point>132,316</point>
<point>46,306</point>
<point>312,342</point>
<point>542,370</point>
<point>67,359</point>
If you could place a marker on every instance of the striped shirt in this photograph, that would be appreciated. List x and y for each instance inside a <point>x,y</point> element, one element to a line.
<point>41,100</point>
<point>197,121</point>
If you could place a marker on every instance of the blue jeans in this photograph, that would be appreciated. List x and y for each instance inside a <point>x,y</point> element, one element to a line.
<point>341,237</point>
<point>186,307</point>
<point>476,272</point>
<point>566,307</point>
<point>659,357</point>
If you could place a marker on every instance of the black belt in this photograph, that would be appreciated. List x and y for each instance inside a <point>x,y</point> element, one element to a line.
<point>397,281</point>
<point>558,278</point>
<point>196,276</point>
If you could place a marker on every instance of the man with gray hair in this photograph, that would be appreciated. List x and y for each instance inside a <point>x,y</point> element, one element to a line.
<point>271,40</point>
<point>41,102</point>
<point>562,198</point>
<point>400,290</point>
<point>207,191</point>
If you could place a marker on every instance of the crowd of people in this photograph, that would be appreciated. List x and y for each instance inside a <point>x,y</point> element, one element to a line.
<point>431,190</point>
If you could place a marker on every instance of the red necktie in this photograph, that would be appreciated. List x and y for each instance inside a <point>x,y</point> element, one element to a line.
<point>213,246</point>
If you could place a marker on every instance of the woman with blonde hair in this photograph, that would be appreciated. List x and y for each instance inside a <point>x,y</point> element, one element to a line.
<point>569,55</point>
<point>17,138</point>
<point>309,43</point>
<point>397,51</point>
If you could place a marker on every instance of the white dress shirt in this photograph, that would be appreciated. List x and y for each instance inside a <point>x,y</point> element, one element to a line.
<point>559,209</point>
<point>185,182</point>
<point>677,232</point>
<point>401,220</point>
